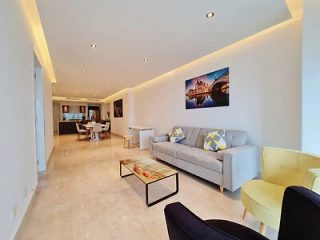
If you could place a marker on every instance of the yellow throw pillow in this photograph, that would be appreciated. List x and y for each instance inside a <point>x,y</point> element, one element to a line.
<point>177,135</point>
<point>215,141</point>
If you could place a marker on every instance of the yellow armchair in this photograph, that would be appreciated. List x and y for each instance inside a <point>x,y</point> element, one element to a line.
<point>280,168</point>
<point>312,179</point>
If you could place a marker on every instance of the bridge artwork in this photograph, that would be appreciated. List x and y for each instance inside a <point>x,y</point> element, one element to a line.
<point>209,90</point>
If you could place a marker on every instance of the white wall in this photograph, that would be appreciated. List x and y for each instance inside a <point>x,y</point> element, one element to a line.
<point>18,173</point>
<point>74,107</point>
<point>48,115</point>
<point>120,126</point>
<point>56,115</point>
<point>311,77</point>
<point>265,72</point>
<point>17,140</point>
<point>105,108</point>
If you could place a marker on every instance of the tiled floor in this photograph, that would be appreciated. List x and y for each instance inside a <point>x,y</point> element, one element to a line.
<point>83,197</point>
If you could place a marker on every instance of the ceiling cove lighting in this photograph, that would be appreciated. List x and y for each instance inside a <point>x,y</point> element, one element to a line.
<point>31,13</point>
<point>210,14</point>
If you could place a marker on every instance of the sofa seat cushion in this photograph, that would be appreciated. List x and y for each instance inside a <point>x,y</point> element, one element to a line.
<point>168,148</point>
<point>264,201</point>
<point>197,156</point>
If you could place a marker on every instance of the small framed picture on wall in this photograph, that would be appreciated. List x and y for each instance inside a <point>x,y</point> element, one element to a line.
<point>82,109</point>
<point>65,108</point>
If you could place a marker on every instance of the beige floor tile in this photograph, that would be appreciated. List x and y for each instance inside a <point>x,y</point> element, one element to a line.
<point>82,196</point>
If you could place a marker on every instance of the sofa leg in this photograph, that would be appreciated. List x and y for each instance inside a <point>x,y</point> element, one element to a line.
<point>262,229</point>
<point>244,215</point>
<point>221,189</point>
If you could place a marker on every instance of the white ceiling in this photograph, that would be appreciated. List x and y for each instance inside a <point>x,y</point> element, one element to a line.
<point>168,32</point>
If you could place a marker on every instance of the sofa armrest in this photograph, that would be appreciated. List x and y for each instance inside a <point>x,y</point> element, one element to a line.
<point>312,180</point>
<point>240,164</point>
<point>160,138</point>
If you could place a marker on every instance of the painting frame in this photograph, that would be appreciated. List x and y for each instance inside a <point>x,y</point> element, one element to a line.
<point>208,90</point>
<point>118,108</point>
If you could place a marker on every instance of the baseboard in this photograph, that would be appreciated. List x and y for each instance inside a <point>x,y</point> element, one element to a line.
<point>50,156</point>
<point>116,134</point>
<point>18,233</point>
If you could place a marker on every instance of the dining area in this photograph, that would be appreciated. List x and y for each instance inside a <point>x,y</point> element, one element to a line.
<point>92,131</point>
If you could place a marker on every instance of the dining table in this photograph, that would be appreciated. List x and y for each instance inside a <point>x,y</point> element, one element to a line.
<point>94,136</point>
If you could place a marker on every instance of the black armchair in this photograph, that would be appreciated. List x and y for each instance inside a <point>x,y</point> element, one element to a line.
<point>300,220</point>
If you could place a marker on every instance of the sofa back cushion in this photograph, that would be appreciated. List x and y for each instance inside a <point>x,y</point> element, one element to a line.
<point>234,138</point>
<point>203,133</point>
<point>195,136</point>
<point>191,134</point>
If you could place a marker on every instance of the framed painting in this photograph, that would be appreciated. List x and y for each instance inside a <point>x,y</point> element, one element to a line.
<point>118,108</point>
<point>209,90</point>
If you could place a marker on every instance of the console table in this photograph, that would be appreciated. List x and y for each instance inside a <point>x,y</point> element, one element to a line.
<point>141,136</point>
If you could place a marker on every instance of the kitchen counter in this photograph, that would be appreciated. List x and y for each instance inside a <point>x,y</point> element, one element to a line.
<point>67,127</point>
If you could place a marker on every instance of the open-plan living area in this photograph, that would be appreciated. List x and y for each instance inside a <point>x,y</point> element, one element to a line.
<point>180,120</point>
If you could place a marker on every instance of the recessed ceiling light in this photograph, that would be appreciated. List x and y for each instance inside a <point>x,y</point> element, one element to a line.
<point>210,14</point>
<point>93,45</point>
<point>84,72</point>
<point>146,60</point>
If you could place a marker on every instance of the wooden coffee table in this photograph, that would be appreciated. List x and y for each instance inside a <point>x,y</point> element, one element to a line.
<point>149,171</point>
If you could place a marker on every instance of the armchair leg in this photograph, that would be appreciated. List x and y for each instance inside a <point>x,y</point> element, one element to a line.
<point>245,213</point>
<point>221,189</point>
<point>262,229</point>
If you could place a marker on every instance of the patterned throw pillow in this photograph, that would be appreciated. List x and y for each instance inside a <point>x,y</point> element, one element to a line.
<point>215,141</point>
<point>177,135</point>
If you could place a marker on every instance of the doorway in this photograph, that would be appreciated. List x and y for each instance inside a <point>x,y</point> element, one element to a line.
<point>94,113</point>
<point>39,117</point>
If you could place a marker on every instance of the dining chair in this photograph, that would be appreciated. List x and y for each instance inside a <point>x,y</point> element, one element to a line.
<point>96,131</point>
<point>105,130</point>
<point>82,132</point>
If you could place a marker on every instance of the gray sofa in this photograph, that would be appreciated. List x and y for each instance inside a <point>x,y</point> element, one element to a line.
<point>228,168</point>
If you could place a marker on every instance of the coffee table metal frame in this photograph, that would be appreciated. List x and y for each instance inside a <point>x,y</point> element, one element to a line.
<point>147,186</point>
